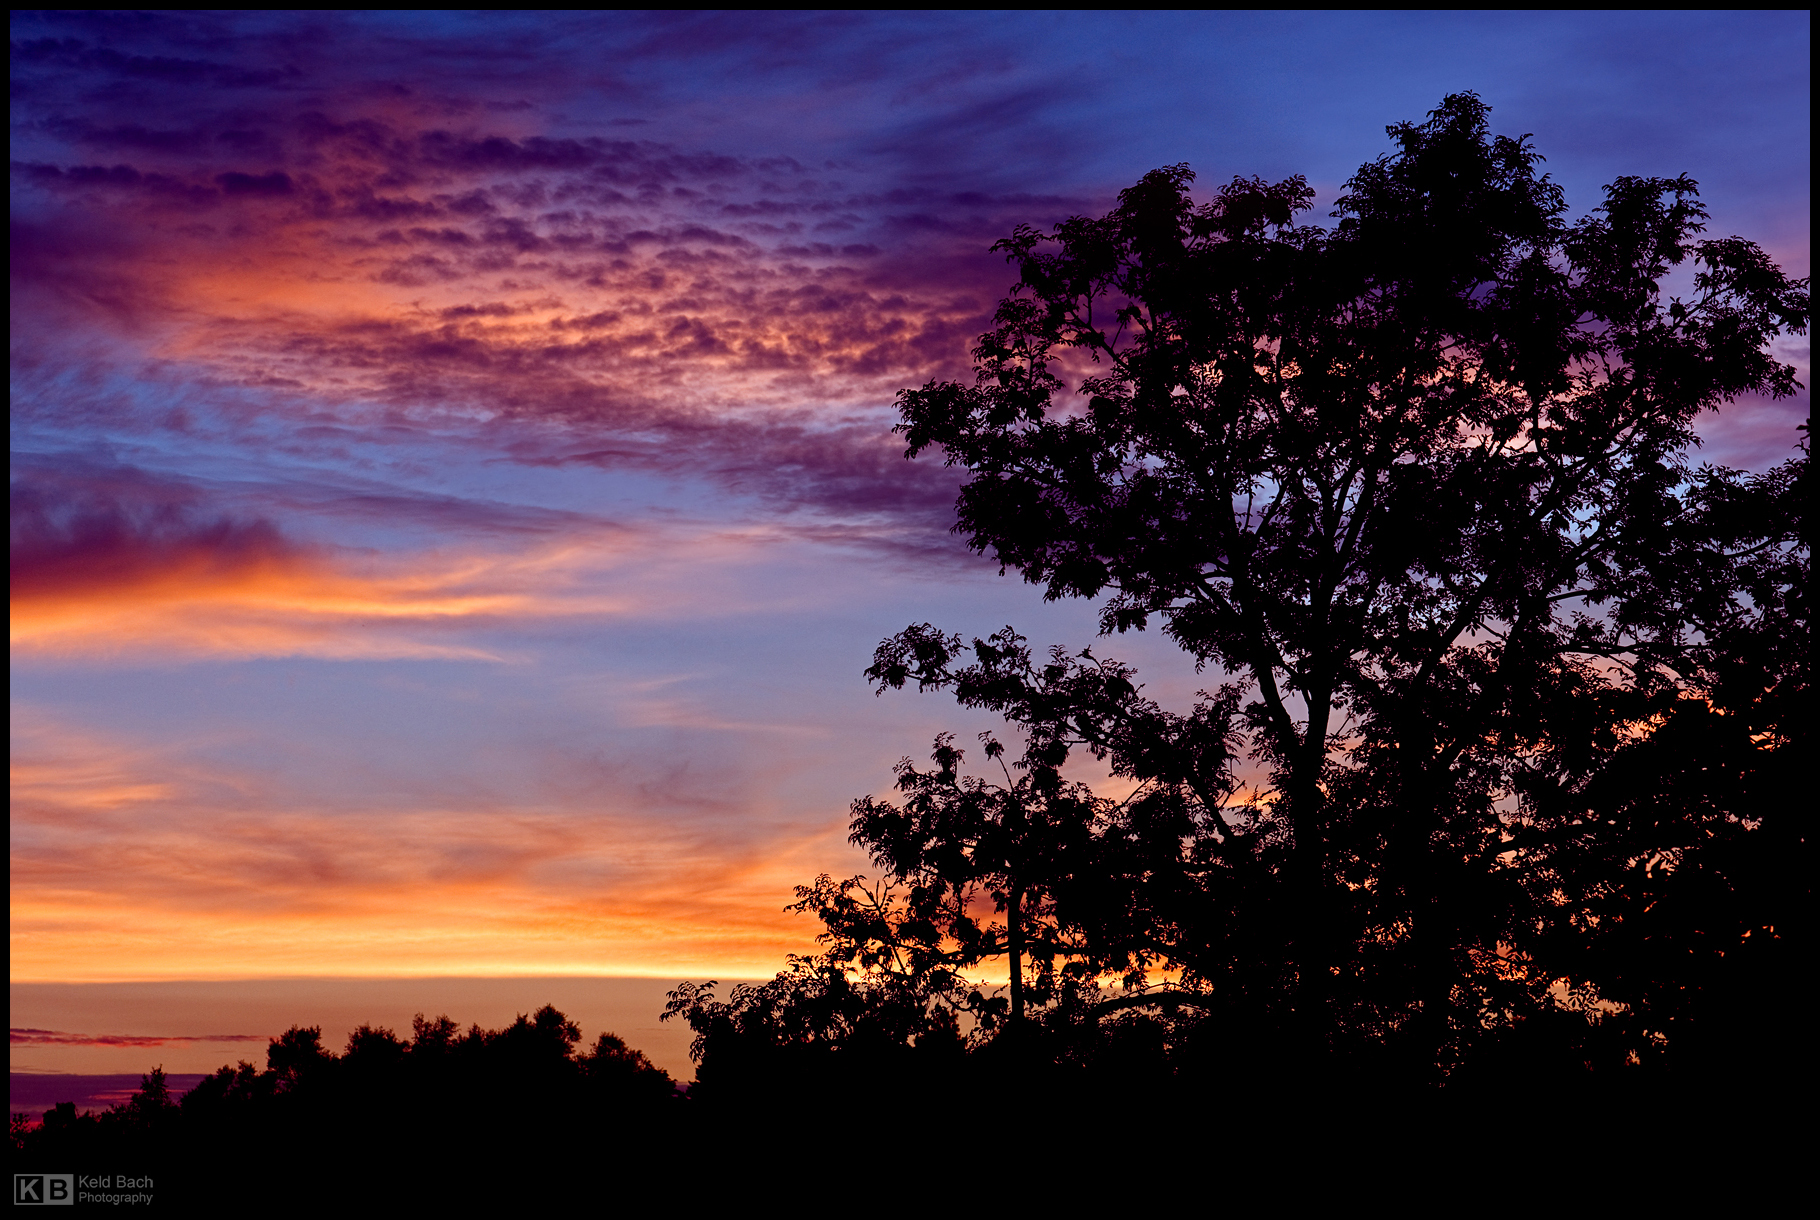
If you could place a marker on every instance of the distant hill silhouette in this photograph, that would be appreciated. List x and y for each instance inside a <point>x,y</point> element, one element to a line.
<point>31,1093</point>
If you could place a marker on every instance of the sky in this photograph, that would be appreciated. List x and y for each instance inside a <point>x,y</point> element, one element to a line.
<point>453,495</point>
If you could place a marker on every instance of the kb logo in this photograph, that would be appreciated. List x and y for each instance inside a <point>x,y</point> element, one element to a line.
<point>44,1188</point>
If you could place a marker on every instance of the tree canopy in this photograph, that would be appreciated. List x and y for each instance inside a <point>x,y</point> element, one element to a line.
<point>1495,765</point>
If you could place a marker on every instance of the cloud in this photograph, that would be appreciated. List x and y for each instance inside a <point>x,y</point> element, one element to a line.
<point>324,231</point>
<point>724,316</point>
<point>108,560</point>
<point>204,603</point>
<point>52,1037</point>
<point>83,533</point>
<point>128,862</point>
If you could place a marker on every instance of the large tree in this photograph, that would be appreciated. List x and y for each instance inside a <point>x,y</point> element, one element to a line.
<point>1514,671</point>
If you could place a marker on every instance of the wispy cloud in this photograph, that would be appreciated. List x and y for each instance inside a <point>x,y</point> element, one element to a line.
<point>52,1037</point>
<point>142,565</point>
<point>109,561</point>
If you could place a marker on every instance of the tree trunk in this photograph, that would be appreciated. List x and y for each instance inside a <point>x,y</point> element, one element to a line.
<point>1015,936</point>
<point>1308,956</point>
<point>1416,871</point>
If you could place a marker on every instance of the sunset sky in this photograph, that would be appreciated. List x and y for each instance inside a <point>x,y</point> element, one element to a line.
<point>452,491</point>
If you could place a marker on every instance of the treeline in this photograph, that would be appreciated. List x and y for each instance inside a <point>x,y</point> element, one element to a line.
<point>819,1063</point>
<point>443,1100</point>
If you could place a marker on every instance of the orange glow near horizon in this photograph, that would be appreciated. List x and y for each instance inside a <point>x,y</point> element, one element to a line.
<point>74,939</point>
<point>147,857</point>
<point>146,882</point>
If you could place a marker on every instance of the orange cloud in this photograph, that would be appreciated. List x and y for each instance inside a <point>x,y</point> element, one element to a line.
<point>127,866</point>
<point>196,598</point>
<point>264,604</point>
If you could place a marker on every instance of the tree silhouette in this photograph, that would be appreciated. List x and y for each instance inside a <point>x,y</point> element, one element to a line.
<point>958,842</point>
<point>1521,679</point>
<point>297,1057</point>
<point>410,1120</point>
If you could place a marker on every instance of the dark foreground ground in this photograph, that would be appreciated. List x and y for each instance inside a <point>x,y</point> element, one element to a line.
<point>1004,1146</point>
<point>522,1119</point>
